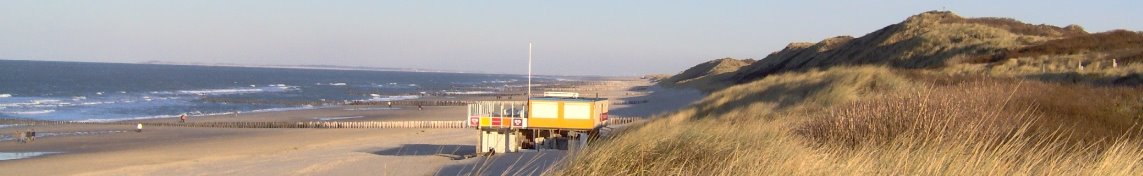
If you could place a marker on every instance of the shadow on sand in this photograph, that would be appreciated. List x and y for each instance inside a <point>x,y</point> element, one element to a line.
<point>455,152</point>
<point>530,162</point>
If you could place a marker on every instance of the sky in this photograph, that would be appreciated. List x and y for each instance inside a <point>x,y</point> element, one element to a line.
<point>609,38</point>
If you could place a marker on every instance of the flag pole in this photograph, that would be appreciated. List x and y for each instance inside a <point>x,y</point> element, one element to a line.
<point>529,70</point>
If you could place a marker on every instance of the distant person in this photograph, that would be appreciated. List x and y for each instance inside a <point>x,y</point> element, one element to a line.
<point>419,107</point>
<point>390,103</point>
<point>183,118</point>
<point>31,135</point>
<point>139,128</point>
<point>19,136</point>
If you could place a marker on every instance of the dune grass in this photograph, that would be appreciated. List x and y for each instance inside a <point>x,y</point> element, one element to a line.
<point>878,121</point>
<point>707,76</point>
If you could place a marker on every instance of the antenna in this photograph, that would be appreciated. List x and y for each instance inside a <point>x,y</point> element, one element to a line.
<point>529,69</point>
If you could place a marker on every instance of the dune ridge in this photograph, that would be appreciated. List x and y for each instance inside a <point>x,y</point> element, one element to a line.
<point>937,94</point>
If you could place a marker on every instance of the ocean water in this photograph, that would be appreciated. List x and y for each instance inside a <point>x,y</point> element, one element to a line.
<point>76,91</point>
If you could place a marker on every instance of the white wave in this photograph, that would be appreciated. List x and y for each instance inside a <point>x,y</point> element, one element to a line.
<point>32,112</point>
<point>5,95</point>
<point>13,104</point>
<point>337,118</point>
<point>225,91</point>
<point>468,92</point>
<point>45,101</point>
<point>500,81</point>
<point>394,98</point>
<point>97,102</point>
<point>131,118</point>
<point>220,91</point>
<point>196,114</point>
<point>285,109</point>
<point>22,155</point>
<point>337,84</point>
<point>8,125</point>
<point>370,109</point>
<point>147,117</point>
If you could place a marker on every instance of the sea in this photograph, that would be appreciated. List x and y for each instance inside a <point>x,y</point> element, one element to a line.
<point>100,92</point>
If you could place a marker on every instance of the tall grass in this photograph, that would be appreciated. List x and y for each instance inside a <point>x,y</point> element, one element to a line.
<point>964,127</point>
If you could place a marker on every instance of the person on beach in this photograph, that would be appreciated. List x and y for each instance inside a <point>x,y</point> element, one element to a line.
<point>419,107</point>
<point>390,103</point>
<point>183,118</point>
<point>139,128</point>
<point>31,136</point>
<point>19,136</point>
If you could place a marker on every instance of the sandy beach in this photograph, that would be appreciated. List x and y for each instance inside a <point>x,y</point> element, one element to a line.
<point>118,150</point>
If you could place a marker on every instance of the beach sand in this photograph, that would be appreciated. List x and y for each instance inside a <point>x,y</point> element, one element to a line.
<point>118,150</point>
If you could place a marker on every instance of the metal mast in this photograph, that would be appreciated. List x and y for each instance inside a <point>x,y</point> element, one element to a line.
<point>529,70</point>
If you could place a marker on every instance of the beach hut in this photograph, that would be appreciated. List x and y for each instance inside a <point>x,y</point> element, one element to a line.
<point>558,120</point>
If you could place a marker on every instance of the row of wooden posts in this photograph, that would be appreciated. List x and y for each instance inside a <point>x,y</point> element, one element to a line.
<point>321,124</point>
<point>616,120</point>
<point>628,102</point>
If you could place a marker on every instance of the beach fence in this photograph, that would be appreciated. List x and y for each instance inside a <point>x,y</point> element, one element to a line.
<point>630,102</point>
<point>617,120</point>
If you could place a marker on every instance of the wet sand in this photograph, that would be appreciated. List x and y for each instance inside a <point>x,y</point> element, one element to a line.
<point>247,151</point>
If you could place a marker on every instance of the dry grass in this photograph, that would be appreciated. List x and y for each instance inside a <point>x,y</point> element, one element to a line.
<point>1015,26</point>
<point>985,109</point>
<point>957,126</point>
<point>792,90</point>
<point>1090,68</point>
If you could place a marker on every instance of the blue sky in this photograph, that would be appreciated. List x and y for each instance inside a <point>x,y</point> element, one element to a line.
<point>571,37</point>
